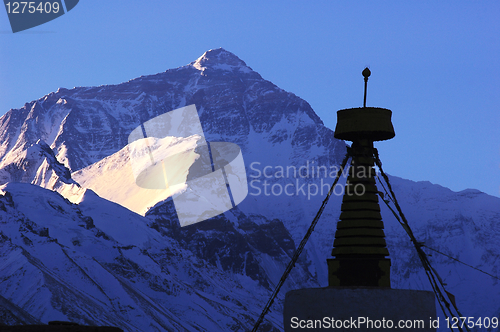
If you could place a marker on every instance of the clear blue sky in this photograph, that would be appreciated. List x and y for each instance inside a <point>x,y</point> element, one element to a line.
<point>435,64</point>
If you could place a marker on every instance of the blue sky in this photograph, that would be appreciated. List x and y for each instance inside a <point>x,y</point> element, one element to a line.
<point>435,64</point>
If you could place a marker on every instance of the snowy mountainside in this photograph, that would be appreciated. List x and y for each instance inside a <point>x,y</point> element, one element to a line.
<point>36,164</point>
<point>113,178</point>
<point>13,315</point>
<point>463,225</point>
<point>99,263</point>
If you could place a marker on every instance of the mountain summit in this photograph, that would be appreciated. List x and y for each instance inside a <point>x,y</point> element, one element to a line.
<point>220,59</point>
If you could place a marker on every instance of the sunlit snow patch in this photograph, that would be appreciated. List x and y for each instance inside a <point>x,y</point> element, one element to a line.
<point>204,180</point>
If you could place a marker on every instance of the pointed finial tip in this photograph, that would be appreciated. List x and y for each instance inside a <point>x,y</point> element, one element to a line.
<point>366,72</point>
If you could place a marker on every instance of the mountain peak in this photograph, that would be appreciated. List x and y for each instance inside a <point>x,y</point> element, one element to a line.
<point>220,59</point>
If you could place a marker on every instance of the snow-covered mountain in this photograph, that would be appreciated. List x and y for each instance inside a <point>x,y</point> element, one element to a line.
<point>84,125</point>
<point>37,164</point>
<point>93,261</point>
<point>99,263</point>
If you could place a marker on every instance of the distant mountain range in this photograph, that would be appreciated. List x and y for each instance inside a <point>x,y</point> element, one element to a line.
<point>70,251</point>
